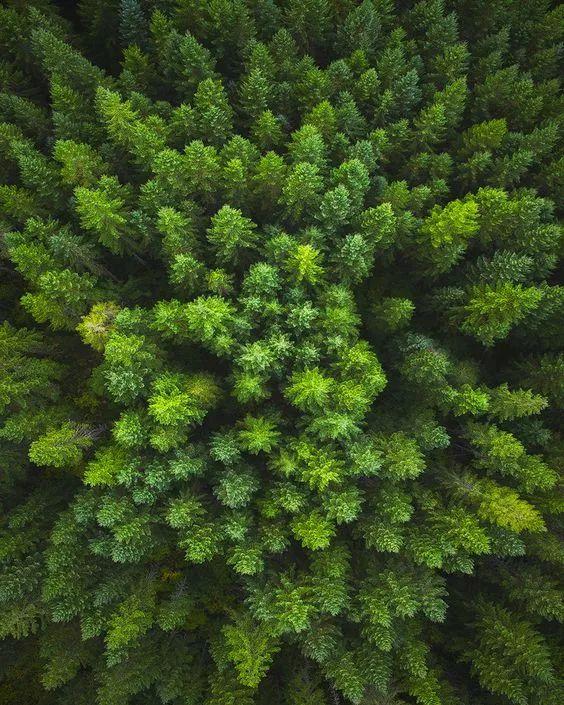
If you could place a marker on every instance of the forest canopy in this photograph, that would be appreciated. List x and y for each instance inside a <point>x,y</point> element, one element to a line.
<point>281,352</point>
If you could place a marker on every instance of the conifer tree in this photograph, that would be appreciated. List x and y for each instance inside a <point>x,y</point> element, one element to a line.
<point>281,352</point>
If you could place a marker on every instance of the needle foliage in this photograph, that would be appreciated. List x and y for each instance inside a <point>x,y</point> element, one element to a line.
<point>281,352</point>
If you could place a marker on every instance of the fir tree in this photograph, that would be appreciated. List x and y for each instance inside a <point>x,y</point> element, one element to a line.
<point>280,352</point>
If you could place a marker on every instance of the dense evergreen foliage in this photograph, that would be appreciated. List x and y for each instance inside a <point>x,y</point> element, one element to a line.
<point>281,353</point>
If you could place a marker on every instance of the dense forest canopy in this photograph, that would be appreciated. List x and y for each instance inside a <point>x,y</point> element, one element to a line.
<point>281,352</point>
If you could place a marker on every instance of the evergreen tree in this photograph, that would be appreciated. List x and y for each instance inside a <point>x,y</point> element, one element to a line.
<point>281,369</point>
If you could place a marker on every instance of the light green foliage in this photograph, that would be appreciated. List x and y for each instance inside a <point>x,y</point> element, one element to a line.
<point>80,164</point>
<point>251,648</point>
<point>281,371</point>
<point>313,530</point>
<point>304,264</point>
<point>128,361</point>
<point>61,297</point>
<point>466,400</point>
<point>101,213</point>
<point>491,312</point>
<point>309,390</point>
<point>301,189</point>
<point>229,232</point>
<point>507,404</point>
<point>208,320</point>
<point>484,136</point>
<point>500,451</point>
<point>502,506</point>
<point>212,112</point>
<point>142,138</point>
<point>104,469</point>
<point>182,399</point>
<point>96,326</point>
<point>456,222</point>
<point>401,456</point>
<point>130,621</point>
<point>130,429</point>
<point>61,447</point>
<point>258,434</point>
